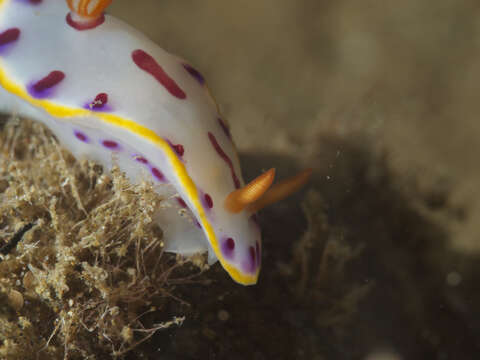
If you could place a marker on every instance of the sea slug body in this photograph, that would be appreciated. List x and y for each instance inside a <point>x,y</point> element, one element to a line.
<point>103,88</point>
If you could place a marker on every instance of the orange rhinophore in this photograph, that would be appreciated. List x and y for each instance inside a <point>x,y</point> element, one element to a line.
<point>88,9</point>
<point>281,190</point>
<point>237,200</point>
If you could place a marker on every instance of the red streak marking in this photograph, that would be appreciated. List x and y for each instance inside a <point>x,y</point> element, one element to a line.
<point>225,158</point>
<point>251,251</point>
<point>208,201</point>
<point>9,36</point>
<point>158,174</point>
<point>224,127</point>
<point>110,144</point>
<point>181,202</point>
<point>49,81</point>
<point>147,63</point>
<point>86,25</point>
<point>141,159</point>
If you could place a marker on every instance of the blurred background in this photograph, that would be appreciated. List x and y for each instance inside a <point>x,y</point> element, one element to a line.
<point>381,99</point>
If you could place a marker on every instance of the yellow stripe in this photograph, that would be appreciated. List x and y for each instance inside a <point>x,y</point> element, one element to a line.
<point>60,111</point>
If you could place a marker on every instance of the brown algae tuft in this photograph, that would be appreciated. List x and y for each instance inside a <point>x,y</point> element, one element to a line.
<point>89,274</point>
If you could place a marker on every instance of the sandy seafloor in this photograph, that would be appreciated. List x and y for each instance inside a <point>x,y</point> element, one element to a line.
<point>378,258</point>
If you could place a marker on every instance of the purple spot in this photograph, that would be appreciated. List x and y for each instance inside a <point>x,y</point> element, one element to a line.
<point>148,64</point>
<point>181,202</point>
<point>249,265</point>
<point>195,73</point>
<point>197,224</point>
<point>8,37</point>
<point>225,158</point>
<point>44,87</point>
<point>110,144</point>
<point>228,247</point>
<point>99,103</point>
<point>81,136</point>
<point>140,159</point>
<point>225,128</point>
<point>208,202</point>
<point>179,149</point>
<point>85,25</point>
<point>158,175</point>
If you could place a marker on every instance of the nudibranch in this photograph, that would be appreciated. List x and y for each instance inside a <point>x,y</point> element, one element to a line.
<point>111,95</point>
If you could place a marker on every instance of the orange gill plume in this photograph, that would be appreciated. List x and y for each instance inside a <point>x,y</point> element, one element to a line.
<point>88,9</point>
<point>281,190</point>
<point>237,200</point>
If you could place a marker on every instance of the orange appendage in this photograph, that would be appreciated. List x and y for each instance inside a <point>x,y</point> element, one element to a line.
<point>89,9</point>
<point>281,190</point>
<point>237,200</point>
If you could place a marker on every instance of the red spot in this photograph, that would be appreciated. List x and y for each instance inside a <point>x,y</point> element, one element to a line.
<point>179,149</point>
<point>158,174</point>
<point>110,144</point>
<point>230,244</point>
<point>85,25</point>
<point>48,81</point>
<point>225,158</point>
<point>147,63</point>
<point>100,100</point>
<point>9,36</point>
<point>208,201</point>
<point>182,202</point>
